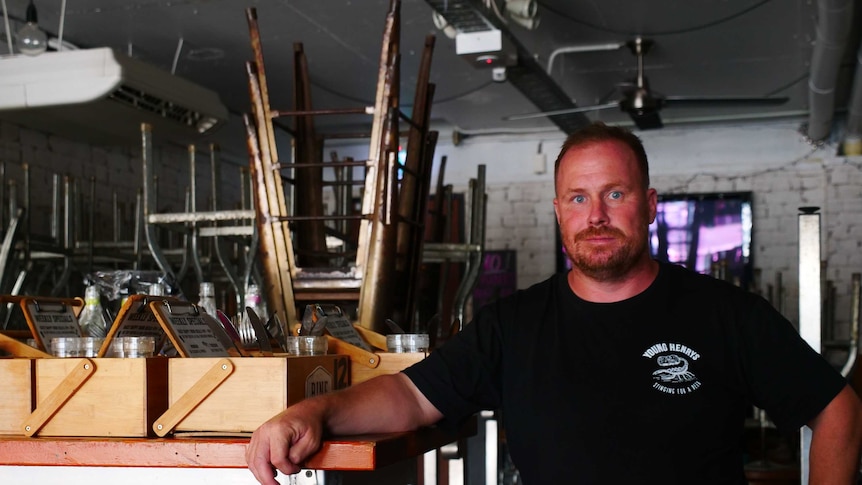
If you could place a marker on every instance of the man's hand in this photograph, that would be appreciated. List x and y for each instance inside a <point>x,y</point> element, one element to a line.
<point>385,404</point>
<point>282,443</point>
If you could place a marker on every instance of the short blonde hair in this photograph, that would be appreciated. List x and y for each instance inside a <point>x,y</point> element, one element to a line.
<point>597,132</point>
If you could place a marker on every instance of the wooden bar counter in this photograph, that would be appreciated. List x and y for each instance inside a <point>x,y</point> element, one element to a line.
<point>362,452</point>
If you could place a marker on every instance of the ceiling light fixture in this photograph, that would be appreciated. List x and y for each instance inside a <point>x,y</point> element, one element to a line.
<point>522,8</point>
<point>523,12</point>
<point>31,40</point>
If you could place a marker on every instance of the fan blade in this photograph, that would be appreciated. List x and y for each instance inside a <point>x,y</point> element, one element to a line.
<point>728,100</point>
<point>543,114</point>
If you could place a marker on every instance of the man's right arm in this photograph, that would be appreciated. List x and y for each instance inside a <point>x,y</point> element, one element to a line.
<point>387,403</point>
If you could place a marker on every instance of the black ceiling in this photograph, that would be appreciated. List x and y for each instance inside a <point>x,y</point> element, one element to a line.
<point>700,48</point>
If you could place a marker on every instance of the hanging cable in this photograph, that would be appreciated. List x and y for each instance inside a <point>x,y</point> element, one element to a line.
<point>791,83</point>
<point>62,23</point>
<point>177,56</point>
<point>656,33</point>
<point>8,29</point>
<point>329,90</point>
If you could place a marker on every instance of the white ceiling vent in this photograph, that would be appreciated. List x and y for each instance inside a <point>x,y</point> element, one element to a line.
<point>101,96</point>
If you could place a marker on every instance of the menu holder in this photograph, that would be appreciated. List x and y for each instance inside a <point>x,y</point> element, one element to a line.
<point>340,327</point>
<point>50,317</point>
<point>193,332</point>
<point>135,319</point>
<point>367,365</point>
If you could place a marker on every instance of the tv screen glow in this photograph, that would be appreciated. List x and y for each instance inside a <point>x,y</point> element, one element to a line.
<point>708,233</point>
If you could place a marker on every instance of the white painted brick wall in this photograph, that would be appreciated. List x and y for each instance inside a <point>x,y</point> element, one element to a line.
<point>113,170</point>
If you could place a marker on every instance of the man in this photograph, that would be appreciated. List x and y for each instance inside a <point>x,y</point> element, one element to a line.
<point>624,370</point>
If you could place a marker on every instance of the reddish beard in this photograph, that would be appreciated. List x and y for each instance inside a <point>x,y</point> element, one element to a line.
<point>606,261</point>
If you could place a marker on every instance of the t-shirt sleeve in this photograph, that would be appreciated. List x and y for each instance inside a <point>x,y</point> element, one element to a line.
<point>787,378</point>
<point>462,377</point>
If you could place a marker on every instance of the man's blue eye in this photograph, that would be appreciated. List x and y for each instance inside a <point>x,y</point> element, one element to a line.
<point>579,198</point>
<point>616,195</point>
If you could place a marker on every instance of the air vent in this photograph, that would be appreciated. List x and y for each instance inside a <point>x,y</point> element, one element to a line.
<point>102,96</point>
<point>138,99</point>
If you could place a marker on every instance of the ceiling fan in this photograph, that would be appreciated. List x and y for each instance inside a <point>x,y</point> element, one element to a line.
<point>644,105</point>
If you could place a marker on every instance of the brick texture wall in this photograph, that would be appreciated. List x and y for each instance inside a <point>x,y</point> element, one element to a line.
<point>114,172</point>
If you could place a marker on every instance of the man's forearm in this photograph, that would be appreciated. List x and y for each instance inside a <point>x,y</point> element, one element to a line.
<point>831,465</point>
<point>387,403</point>
<point>836,441</point>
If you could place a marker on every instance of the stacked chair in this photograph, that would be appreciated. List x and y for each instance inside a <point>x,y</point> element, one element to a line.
<point>376,266</point>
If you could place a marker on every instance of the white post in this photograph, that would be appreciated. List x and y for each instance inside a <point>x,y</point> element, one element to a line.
<point>809,302</point>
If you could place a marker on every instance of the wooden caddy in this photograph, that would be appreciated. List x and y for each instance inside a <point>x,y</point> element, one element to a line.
<point>365,364</point>
<point>18,377</point>
<point>235,395</point>
<point>97,397</point>
<point>18,380</point>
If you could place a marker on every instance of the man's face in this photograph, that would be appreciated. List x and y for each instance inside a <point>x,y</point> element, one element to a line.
<point>603,210</point>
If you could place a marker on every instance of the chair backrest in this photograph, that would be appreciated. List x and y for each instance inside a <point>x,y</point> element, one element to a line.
<point>380,275</point>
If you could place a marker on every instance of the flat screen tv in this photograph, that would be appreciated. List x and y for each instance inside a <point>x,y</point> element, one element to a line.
<point>708,233</point>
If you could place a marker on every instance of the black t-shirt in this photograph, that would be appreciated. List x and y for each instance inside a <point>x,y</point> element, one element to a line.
<point>654,388</point>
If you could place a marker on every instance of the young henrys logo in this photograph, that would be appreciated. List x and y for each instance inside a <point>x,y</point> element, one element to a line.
<point>673,374</point>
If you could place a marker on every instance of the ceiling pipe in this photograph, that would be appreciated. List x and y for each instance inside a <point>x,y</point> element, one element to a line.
<point>833,30</point>
<point>573,49</point>
<point>854,113</point>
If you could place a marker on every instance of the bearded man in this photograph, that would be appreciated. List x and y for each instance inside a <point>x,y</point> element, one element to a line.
<point>623,370</point>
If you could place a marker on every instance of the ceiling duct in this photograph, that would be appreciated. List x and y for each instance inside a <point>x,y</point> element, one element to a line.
<point>835,18</point>
<point>854,113</point>
<point>522,70</point>
<point>101,96</point>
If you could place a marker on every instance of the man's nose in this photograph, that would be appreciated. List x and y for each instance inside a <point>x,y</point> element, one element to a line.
<point>598,213</point>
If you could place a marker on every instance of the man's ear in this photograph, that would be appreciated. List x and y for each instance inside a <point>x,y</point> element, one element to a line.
<point>652,203</point>
<point>557,210</point>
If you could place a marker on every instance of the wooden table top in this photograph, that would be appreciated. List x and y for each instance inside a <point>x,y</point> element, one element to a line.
<point>363,452</point>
